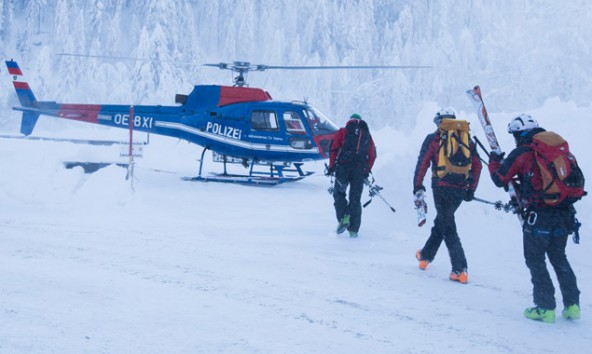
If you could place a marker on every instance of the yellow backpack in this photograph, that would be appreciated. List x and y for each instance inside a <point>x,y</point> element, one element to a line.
<point>454,154</point>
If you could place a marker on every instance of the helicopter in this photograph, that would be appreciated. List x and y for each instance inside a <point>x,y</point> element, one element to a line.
<point>239,124</point>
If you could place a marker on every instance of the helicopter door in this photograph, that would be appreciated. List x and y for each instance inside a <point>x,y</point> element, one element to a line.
<point>299,139</point>
<point>265,134</point>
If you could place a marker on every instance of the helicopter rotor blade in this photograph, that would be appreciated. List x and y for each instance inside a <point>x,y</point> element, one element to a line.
<point>245,67</point>
<point>100,57</point>
<point>349,67</point>
<point>124,58</point>
<point>219,66</point>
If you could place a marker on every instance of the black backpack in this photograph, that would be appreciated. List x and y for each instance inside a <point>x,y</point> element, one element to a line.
<point>356,144</point>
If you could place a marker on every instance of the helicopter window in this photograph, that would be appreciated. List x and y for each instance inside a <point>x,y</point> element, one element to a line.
<point>318,123</point>
<point>300,143</point>
<point>264,120</point>
<point>293,123</point>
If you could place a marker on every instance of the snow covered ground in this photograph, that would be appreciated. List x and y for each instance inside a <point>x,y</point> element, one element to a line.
<point>89,266</point>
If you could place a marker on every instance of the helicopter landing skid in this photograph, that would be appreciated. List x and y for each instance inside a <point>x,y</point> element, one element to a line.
<point>244,179</point>
<point>274,177</point>
<point>256,178</point>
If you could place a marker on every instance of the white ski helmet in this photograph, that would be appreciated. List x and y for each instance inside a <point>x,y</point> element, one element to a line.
<point>522,123</point>
<point>447,112</point>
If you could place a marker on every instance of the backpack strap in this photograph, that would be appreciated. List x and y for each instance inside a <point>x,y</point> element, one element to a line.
<point>460,142</point>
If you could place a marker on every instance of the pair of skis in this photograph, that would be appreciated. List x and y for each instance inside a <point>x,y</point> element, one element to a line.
<point>477,100</point>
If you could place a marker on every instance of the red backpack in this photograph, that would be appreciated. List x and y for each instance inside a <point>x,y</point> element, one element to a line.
<point>563,180</point>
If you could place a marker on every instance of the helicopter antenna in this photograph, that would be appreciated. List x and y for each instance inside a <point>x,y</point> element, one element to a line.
<point>242,68</point>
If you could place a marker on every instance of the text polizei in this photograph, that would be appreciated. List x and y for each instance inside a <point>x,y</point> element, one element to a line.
<point>218,129</point>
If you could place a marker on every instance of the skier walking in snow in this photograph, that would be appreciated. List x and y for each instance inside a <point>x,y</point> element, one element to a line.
<point>351,159</point>
<point>545,228</point>
<point>456,169</point>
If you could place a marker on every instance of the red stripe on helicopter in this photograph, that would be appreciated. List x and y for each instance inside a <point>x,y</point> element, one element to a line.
<point>21,85</point>
<point>230,95</point>
<point>82,112</point>
<point>15,71</point>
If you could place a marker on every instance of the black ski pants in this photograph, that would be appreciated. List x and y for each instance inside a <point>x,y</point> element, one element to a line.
<point>447,201</point>
<point>545,233</point>
<point>352,177</point>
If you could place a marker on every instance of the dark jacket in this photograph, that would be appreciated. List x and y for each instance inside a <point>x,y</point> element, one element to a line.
<point>521,163</point>
<point>429,155</point>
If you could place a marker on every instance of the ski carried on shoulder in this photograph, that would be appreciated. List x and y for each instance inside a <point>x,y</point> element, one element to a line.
<point>477,100</point>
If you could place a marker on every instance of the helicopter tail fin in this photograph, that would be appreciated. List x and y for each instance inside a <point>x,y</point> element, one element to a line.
<point>23,91</point>
<point>25,96</point>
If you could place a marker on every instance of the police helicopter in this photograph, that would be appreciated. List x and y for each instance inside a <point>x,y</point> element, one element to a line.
<point>239,124</point>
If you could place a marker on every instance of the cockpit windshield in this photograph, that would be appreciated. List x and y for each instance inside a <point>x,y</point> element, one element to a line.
<point>319,124</point>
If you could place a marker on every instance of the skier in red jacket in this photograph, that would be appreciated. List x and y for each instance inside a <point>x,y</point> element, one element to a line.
<point>351,160</point>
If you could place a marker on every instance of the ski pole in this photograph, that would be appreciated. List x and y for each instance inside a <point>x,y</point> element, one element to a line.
<point>481,146</point>
<point>498,205</point>
<point>499,202</point>
<point>385,202</point>
<point>331,188</point>
<point>478,142</point>
<point>375,190</point>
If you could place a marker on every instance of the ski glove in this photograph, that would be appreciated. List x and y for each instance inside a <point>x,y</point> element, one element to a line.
<point>330,171</point>
<point>418,188</point>
<point>494,156</point>
<point>469,195</point>
<point>419,198</point>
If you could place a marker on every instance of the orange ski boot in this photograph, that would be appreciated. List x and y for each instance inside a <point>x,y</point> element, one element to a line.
<point>423,263</point>
<point>461,277</point>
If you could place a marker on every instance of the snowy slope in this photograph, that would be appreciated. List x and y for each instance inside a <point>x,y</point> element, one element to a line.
<point>88,266</point>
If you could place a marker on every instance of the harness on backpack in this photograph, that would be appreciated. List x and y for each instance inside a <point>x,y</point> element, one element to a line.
<point>356,144</point>
<point>563,180</point>
<point>454,153</point>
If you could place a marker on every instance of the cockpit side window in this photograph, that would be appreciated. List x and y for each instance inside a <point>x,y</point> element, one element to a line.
<point>293,123</point>
<point>318,123</point>
<point>264,120</point>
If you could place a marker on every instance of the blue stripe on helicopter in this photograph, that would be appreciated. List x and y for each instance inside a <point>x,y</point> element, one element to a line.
<point>238,143</point>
